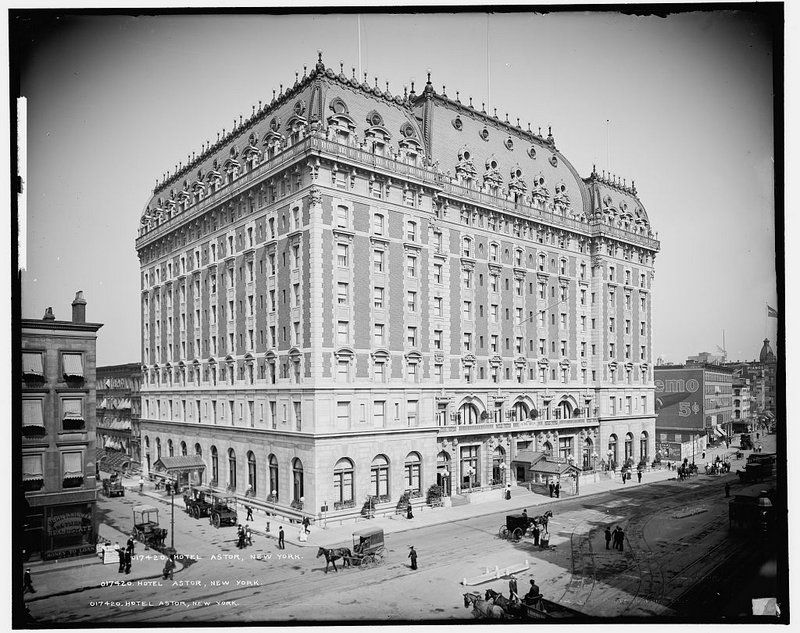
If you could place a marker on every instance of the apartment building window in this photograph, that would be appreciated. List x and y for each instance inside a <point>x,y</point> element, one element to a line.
<point>466,247</point>
<point>612,400</point>
<point>641,352</point>
<point>627,326</point>
<point>411,412</point>
<point>297,338</point>
<point>494,312</point>
<point>468,374</point>
<point>611,350</point>
<point>377,224</point>
<point>379,413</point>
<point>377,297</point>
<point>342,255</point>
<point>272,336</point>
<point>466,279</point>
<point>628,405</point>
<point>411,371</point>
<point>518,316</point>
<point>611,297</point>
<point>563,320</point>
<point>437,273</point>
<point>642,303</point>
<point>467,310</point>
<point>342,332</point>
<point>493,282</point>
<point>583,271</point>
<point>564,375</point>
<point>411,231</point>
<point>492,252</point>
<point>642,328</point>
<point>437,339</point>
<point>493,343</point>
<point>583,323</point>
<point>563,348</point>
<point>343,415</point>
<point>562,267</point>
<point>583,349</point>
<point>627,352</point>
<point>542,374</point>
<point>342,216</point>
<point>379,371</point>
<point>466,341</point>
<point>411,336</point>
<point>542,263</point>
<point>343,370</point>
<point>518,345</point>
<point>437,306</point>
<point>411,265</point>
<point>295,256</point>
<point>272,264</point>
<point>542,347</point>
<point>611,324</point>
<point>342,293</point>
<point>411,301</point>
<point>377,261</point>
<point>518,287</point>
<point>438,375</point>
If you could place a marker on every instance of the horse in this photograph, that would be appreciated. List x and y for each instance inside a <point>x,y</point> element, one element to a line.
<point>331,555</point>
<point>482,607</point>
<point>510,607</point>
<point>543,519</point>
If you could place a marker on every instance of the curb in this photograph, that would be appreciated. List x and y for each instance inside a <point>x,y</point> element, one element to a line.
<point>179,567</point>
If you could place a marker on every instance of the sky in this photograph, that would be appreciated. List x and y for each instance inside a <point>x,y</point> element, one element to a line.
<point>682,105</point>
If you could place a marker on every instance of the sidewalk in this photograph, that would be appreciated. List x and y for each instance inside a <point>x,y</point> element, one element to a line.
<point>64,577</point>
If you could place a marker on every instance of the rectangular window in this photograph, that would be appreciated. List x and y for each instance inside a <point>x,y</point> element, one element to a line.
<point>411,266</point>
<point>493,343</point>
<point>343,370</point>
<point>563,321</point>
<point>342,216</point>
<point>466,341</point>
<point>377,224</point>
<point>493,281</point>
<point>411,301</point>
<point>342,255</point>
<point>437,273</point>
<point>342,294</point>
<point>379,413</point>
<point>411,412</point>
<point>412,372</point>
<point>379,372</point>
<point>437,339</point>
<point>494,313</point>
<point>467,310</point>
<point>377,296</point>
<point>342,332</point>
<point>411,231</point>
<point>466,279</point>
<point>343,415</point>
<point>411,336</point>
<point>437,306</point>
<point>563,348</point>
<point>72,366</point>
<point>379,340</point>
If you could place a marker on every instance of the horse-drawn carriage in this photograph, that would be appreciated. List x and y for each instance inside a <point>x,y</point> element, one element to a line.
<point>519,525</point>
<point>497,607</point>
<point>112,487</point>
<point>368,548</point>
<point>145,526</point>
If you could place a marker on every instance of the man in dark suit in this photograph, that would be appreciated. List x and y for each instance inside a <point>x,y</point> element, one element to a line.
<point>412,554</point>
<point>608,537</point>
<point>121,553</point>
<point>557,490</point>
<point>536,533</point>
<point>552,488</point>
<point>281,543</point>
<point>128,561</point>
<point>620,539</point>
<point>533,593</point>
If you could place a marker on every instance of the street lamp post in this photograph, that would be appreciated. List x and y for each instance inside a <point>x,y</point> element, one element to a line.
<point>446,482</point>
<point>172,518</point>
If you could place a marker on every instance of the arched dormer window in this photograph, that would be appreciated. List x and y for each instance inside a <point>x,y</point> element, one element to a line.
<point>296,126</point>
<point>411,150</point>
<point>273,144</point>
<point>341,128</point>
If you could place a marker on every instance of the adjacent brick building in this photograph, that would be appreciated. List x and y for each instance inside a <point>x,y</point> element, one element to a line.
<point>353,294</point>
<point>118,412</point>
<point>58,434</point>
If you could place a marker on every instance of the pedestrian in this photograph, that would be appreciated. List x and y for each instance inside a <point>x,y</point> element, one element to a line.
<point>248,535</point>
<point>608,537</point>
<point>536,533</point>
<point>240,534</point>
<point>620,539</point>
<point>281,543</point>
<point>552,488</point>
<point>512,589</point>
<point>131,544</point>
<point>307,523</point>
<point>121,553</point>
<point>525,513</point>
<point>639,475</point>
<point>557,490</point>
<point>169,569</point>
<point>624,477</point>
<point>615,538</point>
<point>128,558</point>
<point>727,489</point>
<point>141,485</point>
<point>27,582</point>
<point>533,593</point>
<point>249,513</point>
<point>409,512</point>
<point>412,554</point>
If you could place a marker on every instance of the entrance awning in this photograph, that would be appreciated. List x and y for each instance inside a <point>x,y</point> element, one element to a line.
<point>717,432</point>
<point>179,464</point>
<point>528,457</point>
<point>547,467</point>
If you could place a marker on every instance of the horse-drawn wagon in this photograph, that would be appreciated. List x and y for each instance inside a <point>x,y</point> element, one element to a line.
<point>519,525</point>
<point>368,548</point>
<point>197,502</point>
<point>145,526</point>
<point>497,607</point>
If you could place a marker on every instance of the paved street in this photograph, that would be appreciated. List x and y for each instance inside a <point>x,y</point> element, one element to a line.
<point>676,534</point>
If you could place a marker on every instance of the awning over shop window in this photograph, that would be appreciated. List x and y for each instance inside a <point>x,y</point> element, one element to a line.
<point>73,365</point>
<point>179,464</point>
<point>32,364</point>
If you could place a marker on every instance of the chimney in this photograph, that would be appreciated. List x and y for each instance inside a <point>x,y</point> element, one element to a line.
<point>48,315</point>
<point>79,308</point>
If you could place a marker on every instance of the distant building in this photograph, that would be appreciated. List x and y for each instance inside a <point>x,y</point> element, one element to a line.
<point>58,434</point>
<point>706,358</point>
<point>742,413</point>
<point>118,412</point>
<point>762,375</point>
<point>691,400</point>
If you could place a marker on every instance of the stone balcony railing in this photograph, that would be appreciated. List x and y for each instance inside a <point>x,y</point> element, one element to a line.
<point>323,146</point>
<point>518,425</point>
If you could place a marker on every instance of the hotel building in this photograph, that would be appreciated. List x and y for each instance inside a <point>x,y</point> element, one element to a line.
<point>353,294</point>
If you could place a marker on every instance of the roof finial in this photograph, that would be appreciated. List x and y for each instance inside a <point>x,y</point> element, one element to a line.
<point>457,99</point>
<point>376,82</point>
<point>223,133</point>
<point>405,92</point>
<point>594,169</point>
<point>280,94</point>
<point>296,77</point>
<point>341,68</point>
<point>483,107</point>
<point>273,95</point>
<point>529,127</point>
<point>365,77</point>
<point>240,119</point>
<point>623,183</point>
<point>319,55</point>
<point>354,72</point>
<point>429,76</point>
<point>506,117</point>
<point>387,87</point>
<point>217,137</point>
<point>540,130</point>
<point>253,113</point>
<point>444,90</point>
<point>470,102</point>
<point>305,71</point>
<point>517,121</point>
<point>495,113</point>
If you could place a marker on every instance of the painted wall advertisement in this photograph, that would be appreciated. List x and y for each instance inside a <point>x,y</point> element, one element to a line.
<point>679,398</point>
<point>69,531</point>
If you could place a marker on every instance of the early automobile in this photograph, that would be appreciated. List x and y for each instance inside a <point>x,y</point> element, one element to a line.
<point>222,511</point>
<point>197,501</point>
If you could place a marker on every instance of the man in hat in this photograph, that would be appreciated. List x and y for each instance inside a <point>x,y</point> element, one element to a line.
<point>249,513</point>
<point>533,593</point>
<point>121,552</point>
<point>536,533</point>
<point>608,537</point>
<point>27,582</point>
<point>512,589</point>
<point>281,543</point>
<point>551,487</point>
<point>412,554</point>
<point>557,490</point>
